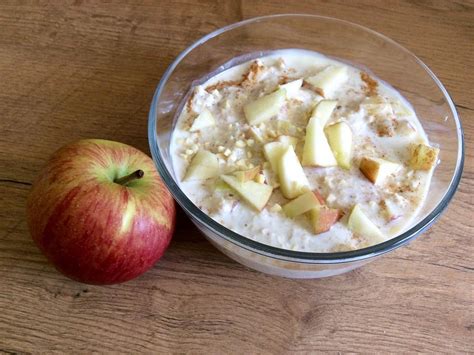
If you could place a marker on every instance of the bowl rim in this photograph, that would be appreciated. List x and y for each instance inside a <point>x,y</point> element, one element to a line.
<point>284,254</point>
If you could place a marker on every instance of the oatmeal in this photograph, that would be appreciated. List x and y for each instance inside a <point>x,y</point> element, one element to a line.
<point>303,152</point>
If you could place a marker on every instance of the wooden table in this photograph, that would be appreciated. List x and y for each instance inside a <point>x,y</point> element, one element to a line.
<point>89,70</point>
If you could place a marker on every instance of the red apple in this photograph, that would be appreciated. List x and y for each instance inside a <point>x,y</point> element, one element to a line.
<point>100,212</point>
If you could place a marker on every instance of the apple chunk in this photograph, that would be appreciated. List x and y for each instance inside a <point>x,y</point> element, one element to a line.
<point>203,120</point>
<point>293,181</point>
<point>204,165</point>
<point>423,157</point>
<point>247,175</point>
<point>329,79</point>
<point>319,197</point>
<point>340,140</point>
<point>316,151</point>
<point>361,225</point>
<point>323,111</point>
<point>301,204</point>
<point>265,107</point>
<point>273,152</point>
<point>376,169</point>
<point>322,218</point>
<point>292,88</point>
<point>255,194</point>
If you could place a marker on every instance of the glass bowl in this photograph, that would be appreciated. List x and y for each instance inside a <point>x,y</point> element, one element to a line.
<point>345,41</point>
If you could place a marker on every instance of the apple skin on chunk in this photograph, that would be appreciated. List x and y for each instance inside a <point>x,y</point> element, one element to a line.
<point>254,193</point>
<point>203,120</point>
<point>316,151</point>
<point>265,107</point>
<point>377,169</point>
<point>340,140</point>
<point>293,181</point>
<point>204,165</point>
<point>301,204</point>
<point>322,218</point>
<point>329,79</point>
<point>423,157</point>
<point>361,225</point>
<point>319,197</point>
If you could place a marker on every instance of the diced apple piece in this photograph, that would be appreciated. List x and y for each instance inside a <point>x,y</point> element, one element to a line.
<point>329,79</point>
<point>293,181</point>
<point>301,204</point>
<point>340,140</point>
<point>390,210</point>
<point>322,218</point>
<point>288,140</point>
<point>424,157</point>
<point>264,107</point>
<point>316,151</point>
<point>204,165</point>
<point>273,152</point>
<point>376,169</point>
<point>292,88</point>
<point>323,111</point>
<point>255,194</point>
<point>203,120</point>
<point>247,175</point>
<point>361,225</point>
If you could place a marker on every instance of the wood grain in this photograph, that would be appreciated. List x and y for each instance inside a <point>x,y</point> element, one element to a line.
<point>88,69</point>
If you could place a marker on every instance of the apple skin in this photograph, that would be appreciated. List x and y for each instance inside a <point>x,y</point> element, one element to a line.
<point>92,229</point>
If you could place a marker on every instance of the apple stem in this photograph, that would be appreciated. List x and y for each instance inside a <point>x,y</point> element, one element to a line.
<point>124,180</point>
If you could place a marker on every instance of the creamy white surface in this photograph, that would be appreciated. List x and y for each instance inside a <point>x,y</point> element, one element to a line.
<point>342,189</point>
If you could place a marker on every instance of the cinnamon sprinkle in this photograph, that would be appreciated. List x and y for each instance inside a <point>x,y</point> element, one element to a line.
<point>370,84</point>
<point>247,79</point>
<point>314,89</point>
<point>283,80</point>
<point>222,84</point>
<point>252,75</point>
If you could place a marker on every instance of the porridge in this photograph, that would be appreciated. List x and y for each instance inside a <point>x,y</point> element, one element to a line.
<point>303,152</point>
